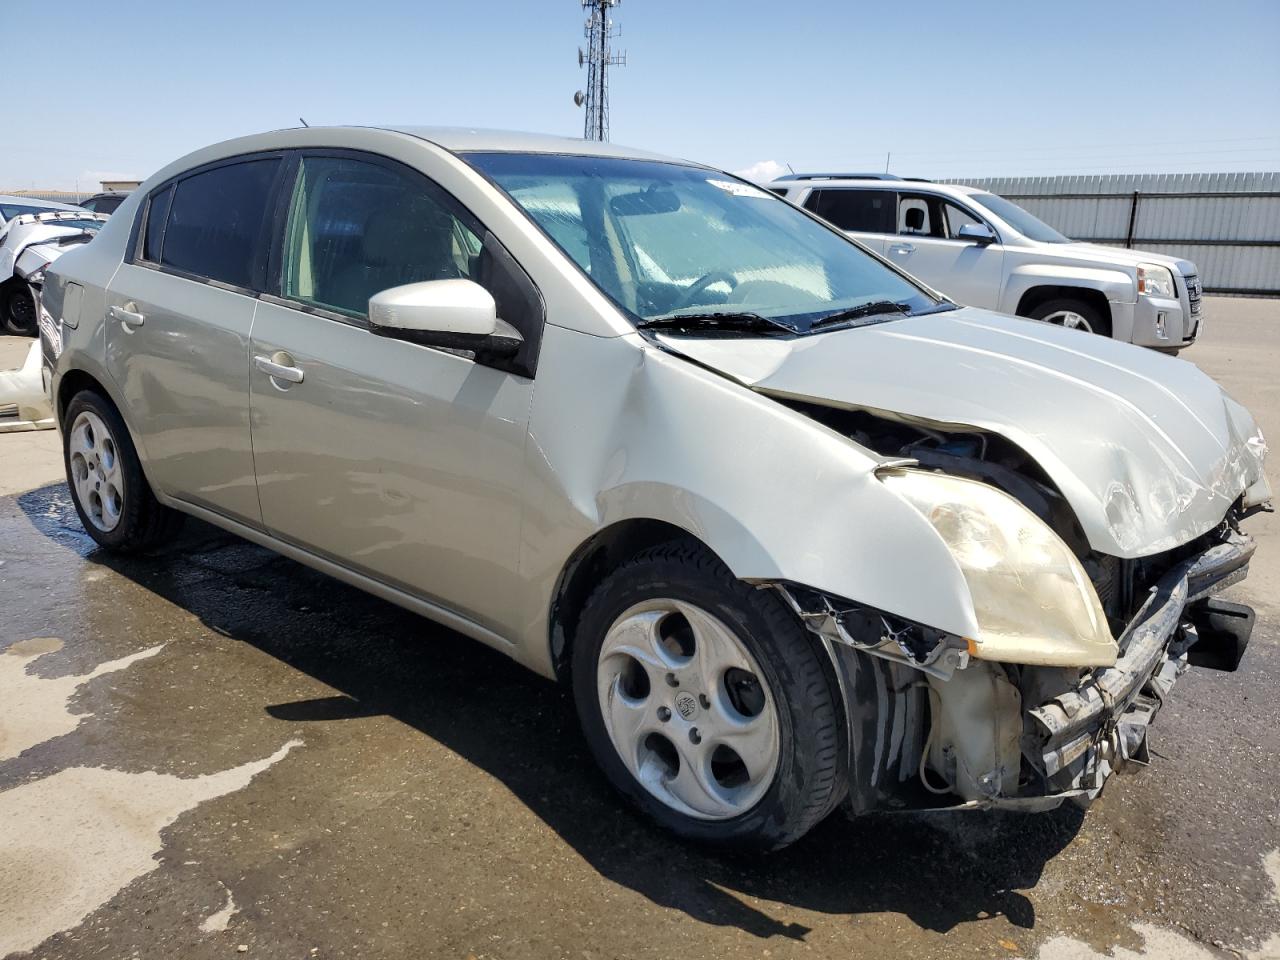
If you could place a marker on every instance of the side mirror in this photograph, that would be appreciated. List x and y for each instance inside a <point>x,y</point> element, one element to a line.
<point>455,314</point>
<point>979,233</point>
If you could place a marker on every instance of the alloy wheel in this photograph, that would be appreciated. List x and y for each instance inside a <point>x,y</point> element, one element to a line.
<point>95,471</point>
<point>1069,319</point>
<point>687,709</point>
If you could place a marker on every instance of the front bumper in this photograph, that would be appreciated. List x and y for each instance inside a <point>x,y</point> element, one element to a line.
<point>1085,733</point>
<point>923,715</point>
<point>1162,324</point>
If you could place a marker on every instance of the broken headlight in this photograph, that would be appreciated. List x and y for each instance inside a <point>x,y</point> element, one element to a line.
<point>1033,600</point>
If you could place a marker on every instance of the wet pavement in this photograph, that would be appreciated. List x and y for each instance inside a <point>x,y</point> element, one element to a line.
<point>213,748</point>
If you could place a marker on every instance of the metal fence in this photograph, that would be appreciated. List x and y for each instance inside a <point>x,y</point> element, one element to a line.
<point>57,196</point>
<point>1228,224</point>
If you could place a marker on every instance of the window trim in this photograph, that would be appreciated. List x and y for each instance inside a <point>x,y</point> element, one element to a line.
<point>137,231</point>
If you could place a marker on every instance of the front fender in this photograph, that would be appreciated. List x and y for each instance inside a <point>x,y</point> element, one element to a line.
<point>1116,285</point>
<point>776,495</point>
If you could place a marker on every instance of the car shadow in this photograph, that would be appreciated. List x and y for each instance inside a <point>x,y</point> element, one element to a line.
<point>938,870</point>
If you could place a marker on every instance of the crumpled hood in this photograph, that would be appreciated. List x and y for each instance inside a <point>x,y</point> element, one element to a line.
<point>1148,450</point>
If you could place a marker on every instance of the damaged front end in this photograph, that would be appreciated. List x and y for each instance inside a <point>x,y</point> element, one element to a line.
<point>931,725</point>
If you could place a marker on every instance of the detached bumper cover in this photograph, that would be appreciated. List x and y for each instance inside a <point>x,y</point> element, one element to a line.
<point>1087,733</point>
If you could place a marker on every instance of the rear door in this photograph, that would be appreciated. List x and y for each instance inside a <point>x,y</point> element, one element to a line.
<point>400,461</point>
<point>928,246</point>
<point>180,309</point>
<point>867,215</point>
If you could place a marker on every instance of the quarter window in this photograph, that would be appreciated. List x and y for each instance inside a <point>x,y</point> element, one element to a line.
<point>866,211</point>
<point>215,222</point>
<point>157,215</point>
<point>356,228</point>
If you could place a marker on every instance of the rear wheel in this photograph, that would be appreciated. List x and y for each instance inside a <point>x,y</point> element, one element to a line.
<point>108,487</point>
<point>707,703</point>
<point>1072,314</point>
<point>18,309</point>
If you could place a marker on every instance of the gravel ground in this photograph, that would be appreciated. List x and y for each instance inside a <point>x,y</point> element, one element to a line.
<point>214,751</point>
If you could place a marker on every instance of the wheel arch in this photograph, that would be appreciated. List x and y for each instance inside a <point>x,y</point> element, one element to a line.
<point>75,379</point>
<point>602,552</point>
<point>1038,295</point>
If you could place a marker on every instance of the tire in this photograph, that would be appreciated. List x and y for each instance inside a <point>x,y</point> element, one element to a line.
<point>108,487</point>
<point>18,309</point>
<point>1074,314</point>
<point>690,619</point>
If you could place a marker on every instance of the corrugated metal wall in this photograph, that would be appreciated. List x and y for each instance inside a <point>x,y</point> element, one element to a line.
<point>59,196</point>
<point>1227,223</point>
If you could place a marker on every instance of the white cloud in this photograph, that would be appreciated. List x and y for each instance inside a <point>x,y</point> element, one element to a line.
<point>763,171</point>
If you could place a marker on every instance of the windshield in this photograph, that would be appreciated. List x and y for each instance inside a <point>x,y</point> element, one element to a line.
<point>1030,227</point>
<point>667,240</point>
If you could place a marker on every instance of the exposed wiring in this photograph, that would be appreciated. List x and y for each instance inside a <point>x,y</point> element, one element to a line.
<point>928,743</point>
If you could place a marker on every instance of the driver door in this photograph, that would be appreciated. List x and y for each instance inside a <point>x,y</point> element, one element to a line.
<point>928,246</point>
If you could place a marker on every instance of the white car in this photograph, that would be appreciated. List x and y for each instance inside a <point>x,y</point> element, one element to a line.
<point>34,233</point>
<point>982,250</point>
<point>797,531</point>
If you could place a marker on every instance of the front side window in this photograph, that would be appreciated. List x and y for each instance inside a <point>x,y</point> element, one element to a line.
<point>216,221</point>
<point>666,240</point>
<point>957,218</point>
<point>866,211</point>
<point>356,228</point>
<point>919,216</point>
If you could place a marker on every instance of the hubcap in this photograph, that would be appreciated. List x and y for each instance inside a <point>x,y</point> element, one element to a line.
<point>95,471</point>
<point>1069,319</point>
<point>687,709</point>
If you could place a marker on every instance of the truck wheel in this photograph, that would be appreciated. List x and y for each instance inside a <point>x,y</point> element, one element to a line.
<point>18,309</point>
<point>1074,315</point>
<point>110,492</point>
<point>707,703</point>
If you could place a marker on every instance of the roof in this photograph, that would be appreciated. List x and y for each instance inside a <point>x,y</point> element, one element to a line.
<point>876,181</point>
<point>475,139</point>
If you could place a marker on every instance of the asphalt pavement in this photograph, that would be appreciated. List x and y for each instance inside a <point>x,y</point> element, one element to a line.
<point>212,751</point>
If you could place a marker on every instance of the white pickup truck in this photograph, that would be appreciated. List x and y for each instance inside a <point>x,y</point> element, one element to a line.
<point>982,250</point>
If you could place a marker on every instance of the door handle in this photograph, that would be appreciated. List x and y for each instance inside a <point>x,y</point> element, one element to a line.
<point>902,248</point>
<point>280,371</point>
<point>128,315</point>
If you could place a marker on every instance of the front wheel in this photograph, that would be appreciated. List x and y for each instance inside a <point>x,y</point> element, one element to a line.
<point>707,703</point>
<point>108,487</point>
<point>1074,315</point>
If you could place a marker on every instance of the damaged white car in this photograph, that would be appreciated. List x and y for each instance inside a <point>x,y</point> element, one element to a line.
<point>32,238</point>
<point>799,534</point>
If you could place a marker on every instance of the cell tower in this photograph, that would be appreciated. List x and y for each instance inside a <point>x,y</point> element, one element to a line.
<point>598,58</point>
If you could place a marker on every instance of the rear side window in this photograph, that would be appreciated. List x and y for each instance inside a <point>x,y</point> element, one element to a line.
<point>867,211</point>
<point>216,220</point>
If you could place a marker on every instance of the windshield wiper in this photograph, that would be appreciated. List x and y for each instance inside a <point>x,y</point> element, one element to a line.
<point>727,322</point>
<point>873,309</point>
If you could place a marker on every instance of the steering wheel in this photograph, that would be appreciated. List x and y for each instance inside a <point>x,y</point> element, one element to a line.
<point>701,284</point>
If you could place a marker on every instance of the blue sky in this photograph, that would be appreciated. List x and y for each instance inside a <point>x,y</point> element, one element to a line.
<point>950,88</point>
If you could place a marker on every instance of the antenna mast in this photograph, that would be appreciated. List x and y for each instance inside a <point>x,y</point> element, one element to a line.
<point>598,58</point>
